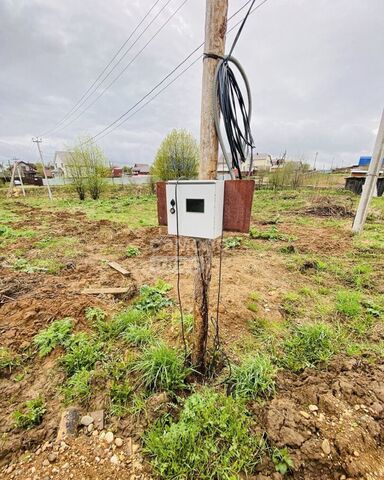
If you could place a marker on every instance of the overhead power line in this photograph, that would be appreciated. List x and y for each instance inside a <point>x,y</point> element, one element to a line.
<point>124,117</point>
<point>126,67</point>
<point>95,84</point>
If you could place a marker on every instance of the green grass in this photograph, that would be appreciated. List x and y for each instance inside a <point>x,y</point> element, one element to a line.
<point>9,234</point>
<point>253,303</point>
<point>31,413</point>
<point>282,461</point>
<point>138,335</point>
<point>160,367</point>
<point>56,334</point>
<point>121,322</point>
<point>212,439</point>
<point>309,345</point>
<point>120,395</point>
<point>83,352</point>
<point>348,303</point>
<point>271,234</point>
<point>8,359</point>
<point>254,377</point>
<point>132,251</point>
<point>78,386</point>
<point>48,265</point>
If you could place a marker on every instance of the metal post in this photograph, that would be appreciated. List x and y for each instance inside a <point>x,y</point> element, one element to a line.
<point>370,180</point>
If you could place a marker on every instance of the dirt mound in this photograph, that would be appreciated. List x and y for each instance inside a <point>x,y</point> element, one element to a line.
<point>331,422</point>
<point>324,206</point>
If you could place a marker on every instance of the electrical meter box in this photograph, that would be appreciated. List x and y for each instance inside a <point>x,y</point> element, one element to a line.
<point>195,208</point>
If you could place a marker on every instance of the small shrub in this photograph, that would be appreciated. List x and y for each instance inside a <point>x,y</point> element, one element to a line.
<point>56,334</point>
<point>161,368</point>
<point>8,359</point>
<point>78,386</point>
<point>31,414</point>
<point>138,335</point>
<point>282,460</point>
<point>82,353</point>
<point>132,251</point>
<point>309,345</point>
<point>153,299</point>
<point>212,439</point>
<point>231,243</point>
<point>348,303</point>
<point>254,377</point>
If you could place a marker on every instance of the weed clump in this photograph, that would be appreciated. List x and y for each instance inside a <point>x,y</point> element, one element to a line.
<point>138,335</point>
<point>308,346</point>
<point>348,303</point>
<point>212,438</point>
<point>31,413</point>
<point>132,251</point>
<point>56,334</point>
<point>231,243</point>
<point>122,322</point>
<point>82,353</point>
<point>8,359</point>
<point>161,368</point>
<point>153,299</point>
<point>120,395</point>
<point>78,386</point>
<point>254,377</point>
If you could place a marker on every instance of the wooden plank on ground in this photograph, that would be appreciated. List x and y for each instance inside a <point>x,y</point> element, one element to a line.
<point>119,268</point>
<point>108,291</point>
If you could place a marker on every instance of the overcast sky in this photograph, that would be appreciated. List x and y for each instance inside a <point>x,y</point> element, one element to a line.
<point>316,69</point>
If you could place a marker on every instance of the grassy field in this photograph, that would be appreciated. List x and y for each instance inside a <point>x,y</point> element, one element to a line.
<point>301,297</point>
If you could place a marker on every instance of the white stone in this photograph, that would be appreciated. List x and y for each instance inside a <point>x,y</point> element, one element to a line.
<point>313,408</point>
<point>305,414</point>
<point>115,459</point>
<point>326,446</point>
<point>118,442</point>
<point>86,420</point>
<point>109,437</point>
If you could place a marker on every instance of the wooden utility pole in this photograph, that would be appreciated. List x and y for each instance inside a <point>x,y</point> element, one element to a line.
<point>215,32</point>
<point>370,180</point>
<point>38,141</point>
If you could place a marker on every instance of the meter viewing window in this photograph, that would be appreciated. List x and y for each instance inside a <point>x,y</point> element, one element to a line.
<point>195,205</point>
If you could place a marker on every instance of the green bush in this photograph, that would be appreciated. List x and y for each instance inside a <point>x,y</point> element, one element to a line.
<point>132,251</point>
<point>212,439</point>
<point>161,368</point>
<point>308,346</point>
<point>82,353</point>
<point>31,414</point>
<point>8,359</point>
<point>78,386</point>
<point>231,243</point>
<point>95,314</point>
<point>153,299</point>
<point>254,377</point>
<point>348,303</point>
<point>56,334</point>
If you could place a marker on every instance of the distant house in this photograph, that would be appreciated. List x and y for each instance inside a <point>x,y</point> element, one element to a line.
<point>117,172</point>
<point>28,171</point>
<point>60,162</point>
<point>260,161</point>
<point>141,169</point>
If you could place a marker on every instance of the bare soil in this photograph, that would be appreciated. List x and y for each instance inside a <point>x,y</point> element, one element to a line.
<point>341,437</point>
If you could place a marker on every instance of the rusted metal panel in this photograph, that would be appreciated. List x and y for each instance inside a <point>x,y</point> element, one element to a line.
<point>161,203</point>
<point>238,197</point>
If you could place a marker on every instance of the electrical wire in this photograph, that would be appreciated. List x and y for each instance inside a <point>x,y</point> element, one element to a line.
<point>123,118</point>
<point>178,274</point>
<point>105,89</point>
<point>91,87</point>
